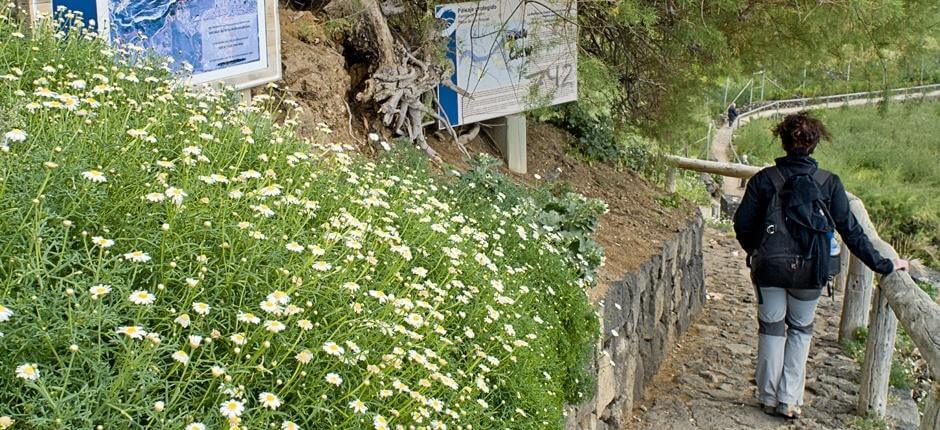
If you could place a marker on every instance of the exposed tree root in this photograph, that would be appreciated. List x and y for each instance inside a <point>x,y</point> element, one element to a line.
<point>403,86</point>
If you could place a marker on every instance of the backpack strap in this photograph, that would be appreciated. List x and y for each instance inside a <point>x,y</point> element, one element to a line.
<point>776,177</point>
<point>821,176</point>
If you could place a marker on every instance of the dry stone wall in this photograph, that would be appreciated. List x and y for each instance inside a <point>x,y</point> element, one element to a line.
<point>643,316</point>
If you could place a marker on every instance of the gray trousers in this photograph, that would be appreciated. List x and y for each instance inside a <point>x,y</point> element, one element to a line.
<point>786,331</point>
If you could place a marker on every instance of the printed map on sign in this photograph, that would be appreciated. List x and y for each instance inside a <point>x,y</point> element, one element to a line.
<point>214,37</point>
<point>509,56</point>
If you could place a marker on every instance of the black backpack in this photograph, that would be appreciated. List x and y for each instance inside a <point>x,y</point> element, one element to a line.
<point>794,250</point>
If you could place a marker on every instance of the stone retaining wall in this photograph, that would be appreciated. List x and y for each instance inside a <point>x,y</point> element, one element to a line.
<point>643,316</point>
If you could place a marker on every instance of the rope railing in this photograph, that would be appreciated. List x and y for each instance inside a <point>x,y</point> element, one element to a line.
<point>896,298</point>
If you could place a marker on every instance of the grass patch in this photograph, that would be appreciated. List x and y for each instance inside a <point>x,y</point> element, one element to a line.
<point>172,259</point>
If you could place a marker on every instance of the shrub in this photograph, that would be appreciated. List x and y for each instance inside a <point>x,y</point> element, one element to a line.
<point>172,259</point>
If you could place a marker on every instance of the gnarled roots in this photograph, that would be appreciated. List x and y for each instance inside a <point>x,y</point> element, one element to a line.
<point>403,92</point>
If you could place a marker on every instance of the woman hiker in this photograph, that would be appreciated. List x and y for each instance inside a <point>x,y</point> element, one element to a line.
<point>785,225</point>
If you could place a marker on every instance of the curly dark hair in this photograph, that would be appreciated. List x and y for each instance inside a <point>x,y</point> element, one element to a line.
<point>800,133</point>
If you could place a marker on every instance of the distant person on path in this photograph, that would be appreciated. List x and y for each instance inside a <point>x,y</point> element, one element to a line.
<point>732,114</point>
<point>785,225</point>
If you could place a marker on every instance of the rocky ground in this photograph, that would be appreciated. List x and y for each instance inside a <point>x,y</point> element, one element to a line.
<point>707,381</point>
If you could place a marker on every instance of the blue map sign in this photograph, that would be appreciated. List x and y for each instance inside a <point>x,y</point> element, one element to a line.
<point>88,9</point>
<point>212,38</point>
<point>235,41</point>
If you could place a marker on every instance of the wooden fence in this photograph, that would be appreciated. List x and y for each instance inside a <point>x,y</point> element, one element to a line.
<point>895,298</point>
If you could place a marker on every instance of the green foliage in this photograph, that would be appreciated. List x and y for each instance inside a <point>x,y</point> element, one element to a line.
<point>881,159</point>
<point>167,251</point>
<point>855,347</point>
<point>573,217</point>
<point>870,422</point>
<point>671,58</point>
<point>598,139</point>
<point>928,288</point>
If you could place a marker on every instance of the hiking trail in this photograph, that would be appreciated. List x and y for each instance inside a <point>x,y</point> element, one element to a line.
<point>707,380</point>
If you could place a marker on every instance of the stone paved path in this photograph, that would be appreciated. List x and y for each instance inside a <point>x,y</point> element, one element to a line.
<point>707,381</point>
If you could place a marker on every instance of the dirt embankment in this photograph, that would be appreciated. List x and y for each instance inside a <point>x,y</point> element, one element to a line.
<point>317,75</point>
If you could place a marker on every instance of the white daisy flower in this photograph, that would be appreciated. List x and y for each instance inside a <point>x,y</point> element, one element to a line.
<point>304,357</point>
<point>28,371</point>
<point>274,326</point>
<point>133,332</point>
<point>294,247</point>
<point>358,407</point>
<point>196,426</point>
<point>15,135</point>
<point>5,313</point>
<point>201,308</point>
<point>269,400</point>
<point>231,408</point>
<point>195,341</point>
<point>142,297</point>
<point>333,349</point>
<point>332,378</point>
<point>99,291</point>
<point>183,320</point>
<point>181,356</point>
<point>94,176</point>
<point>380,423</point>
<point>155,197</point>
<point>414,320</point>
<point>248,317</point>
<point>238,338</point>
<point>289,425</point>
<point>175,194</point>
<point>102,242</point>
<point>137,256</point>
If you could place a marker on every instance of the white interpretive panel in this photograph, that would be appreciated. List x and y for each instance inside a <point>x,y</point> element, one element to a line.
<point>509,56</point>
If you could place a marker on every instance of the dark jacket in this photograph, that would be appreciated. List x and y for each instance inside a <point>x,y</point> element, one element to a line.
<point>749,218</point>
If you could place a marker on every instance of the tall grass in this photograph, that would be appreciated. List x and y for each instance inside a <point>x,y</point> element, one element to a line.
<point>889,158</point>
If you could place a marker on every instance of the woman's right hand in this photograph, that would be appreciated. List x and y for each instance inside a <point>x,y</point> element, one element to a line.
<point>901,264</point>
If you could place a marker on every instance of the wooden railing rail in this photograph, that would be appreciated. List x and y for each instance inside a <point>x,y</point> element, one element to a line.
<point>805,101</point>
<point>896,299</point>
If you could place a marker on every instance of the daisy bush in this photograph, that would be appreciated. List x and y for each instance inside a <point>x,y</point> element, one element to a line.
<point>171,258</point>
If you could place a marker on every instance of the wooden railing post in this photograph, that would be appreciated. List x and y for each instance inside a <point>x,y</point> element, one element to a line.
<point>671,180</point>
<point>931,418</point>
<point>856,301</point>
<point>876,369</point>
<point>840,280</point>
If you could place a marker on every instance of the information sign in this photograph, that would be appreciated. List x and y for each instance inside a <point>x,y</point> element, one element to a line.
<point>509,56</point>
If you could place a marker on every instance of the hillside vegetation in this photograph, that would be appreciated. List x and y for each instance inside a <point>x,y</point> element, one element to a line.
<point>172,259</point>
<point>887,158</point>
